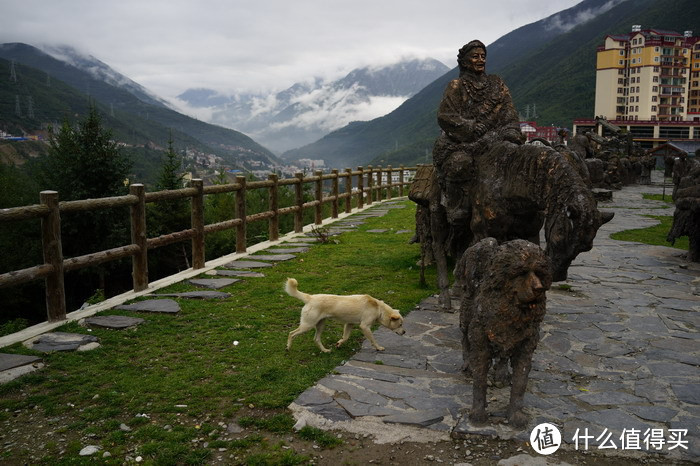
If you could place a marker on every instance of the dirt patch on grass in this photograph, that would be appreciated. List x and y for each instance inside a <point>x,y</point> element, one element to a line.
<point>29,436</point>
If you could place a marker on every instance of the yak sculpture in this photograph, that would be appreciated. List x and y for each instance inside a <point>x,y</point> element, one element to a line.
<point>519,189</point>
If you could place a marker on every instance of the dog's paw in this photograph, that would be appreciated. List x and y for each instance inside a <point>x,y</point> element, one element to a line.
<point>337,345</point>
<point>379,348</point>
<point>326,350</point>
<point>478,417</point>
<point>517,419</point>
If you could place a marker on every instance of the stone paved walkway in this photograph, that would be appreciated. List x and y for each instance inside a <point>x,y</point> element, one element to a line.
<point>619,351</point>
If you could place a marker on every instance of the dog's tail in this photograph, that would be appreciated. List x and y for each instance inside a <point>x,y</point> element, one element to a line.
<point>291,288</point>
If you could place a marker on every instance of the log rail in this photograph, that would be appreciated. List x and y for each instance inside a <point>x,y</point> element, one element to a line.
<point>369,188</point>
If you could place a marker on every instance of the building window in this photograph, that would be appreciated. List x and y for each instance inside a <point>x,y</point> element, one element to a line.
<point>655,79</point>
<point>654,98</point>
<point>653,108</point>
<point>655,89</point>
<point>622,53</point>
<point>621,62</point>
<point>619,90</point>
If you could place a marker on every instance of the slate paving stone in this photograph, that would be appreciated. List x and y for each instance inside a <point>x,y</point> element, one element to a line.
<point>113,322</point>
<point>449,404</point>
<point>238,273</point>
<point>423,418</point>
<point>288,250</point>
<point>196,294</point>
<point>653,413</point>
<point>10,361</point>
<point>687,392</point>
<point>391,360</point>
<point>367,373</point>
<point>614,419</point>
<point>273,257</point>
<point>653,390</point>
<point>354,392</point>
<point>608,348</point>
<point>378,230</point>
<point>674,370</point>
<point>62,341</point>
<point>313,396</point>
<point>557,341</point>
<point>610,398</point>
<point>215,283</point>
<point>247,264</point>
<point>357,409</point>
<point>332,411</point>
<point>164,306</point>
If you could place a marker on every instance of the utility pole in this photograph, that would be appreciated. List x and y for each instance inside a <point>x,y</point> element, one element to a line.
<point>13,73</point>
<point>30,107</point>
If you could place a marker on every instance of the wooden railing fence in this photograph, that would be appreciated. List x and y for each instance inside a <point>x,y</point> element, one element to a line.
<point>369,188</point>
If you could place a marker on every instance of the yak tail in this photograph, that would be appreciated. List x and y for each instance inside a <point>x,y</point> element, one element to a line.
<point>291,288</point>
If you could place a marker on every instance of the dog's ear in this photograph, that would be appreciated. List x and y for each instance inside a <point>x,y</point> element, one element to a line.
<point>394,317</point>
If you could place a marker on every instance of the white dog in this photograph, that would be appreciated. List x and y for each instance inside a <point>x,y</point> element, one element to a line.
<point>362,310</point>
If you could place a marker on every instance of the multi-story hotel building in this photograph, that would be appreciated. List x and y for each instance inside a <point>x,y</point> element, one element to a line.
<point>648,82</point>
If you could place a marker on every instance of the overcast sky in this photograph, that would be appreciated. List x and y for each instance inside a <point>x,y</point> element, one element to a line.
<point>169,46</point>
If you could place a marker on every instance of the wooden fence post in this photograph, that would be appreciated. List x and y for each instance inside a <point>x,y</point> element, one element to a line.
<point>241,210</point>
<point>379,183</point>
<point>334,209</point>
<point>198,225</point>
<point>318,217</point>
<point>299,198</point>
<point>139,261</point>
<point>53,255</point>
<point>361,188</point>
<point>401,180</point>
<point>370,184</point>
<point>388,182</point>
<point>348,191</point>
<point>273,231</point>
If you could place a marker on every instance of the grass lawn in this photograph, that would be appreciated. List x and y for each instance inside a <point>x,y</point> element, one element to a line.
<point>164,390</point>
<point>655,235</point>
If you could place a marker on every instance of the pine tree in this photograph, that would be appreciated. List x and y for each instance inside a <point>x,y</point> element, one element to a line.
<point>168,217</point>
<point>83,162</point>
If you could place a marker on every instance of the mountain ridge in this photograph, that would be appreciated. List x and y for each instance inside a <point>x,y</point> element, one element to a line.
<point>554,69</point>
<point>235,148</point>
<point>306,111</point>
